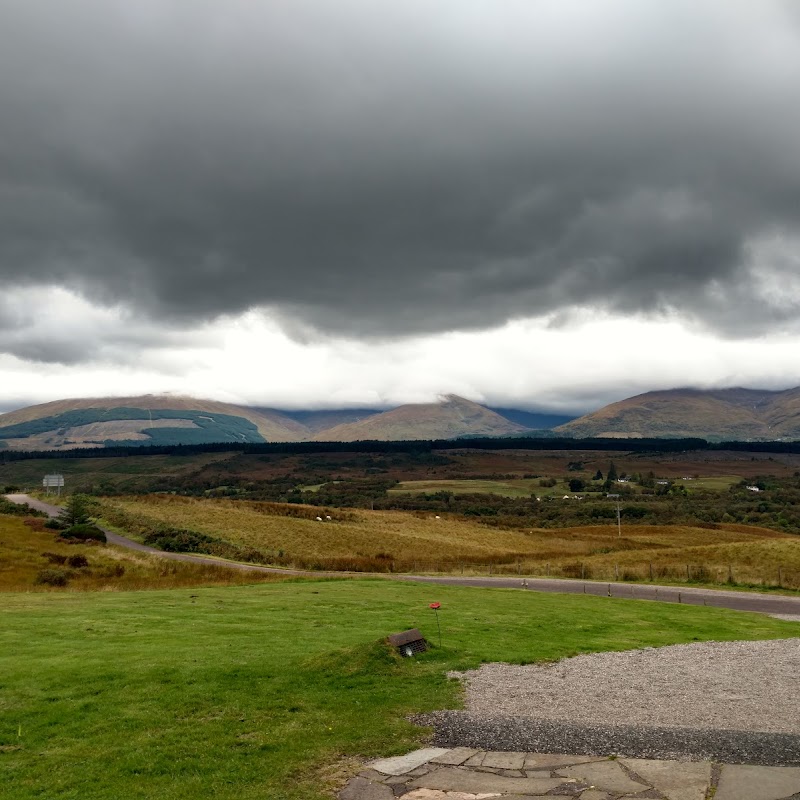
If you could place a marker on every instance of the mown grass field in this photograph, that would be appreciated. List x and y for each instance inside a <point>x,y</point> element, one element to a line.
<point>271,691</point>
<point>22,559</point>
<point>418,541</point>
<point>507,488</point>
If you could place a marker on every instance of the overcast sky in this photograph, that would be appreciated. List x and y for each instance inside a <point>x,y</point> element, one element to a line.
<point>543,203</point>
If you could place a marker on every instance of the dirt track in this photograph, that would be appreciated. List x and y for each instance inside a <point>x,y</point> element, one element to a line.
<point>739,601</point>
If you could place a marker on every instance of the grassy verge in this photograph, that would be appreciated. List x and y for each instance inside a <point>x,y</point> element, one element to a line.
<point>29,553</point>
<point>271,690</point>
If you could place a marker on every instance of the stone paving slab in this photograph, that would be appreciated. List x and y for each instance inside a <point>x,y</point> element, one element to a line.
<point>455,757</point>
<point>556,760</point>
<point>679,780</point>
<point>468,774</point>
<point>361,789</point>
<point>504,760</point>
<point>758,783</point>
<point>606,775</point>
<point>435,794</point>
<point>399,765</point>
<point>455,779</point>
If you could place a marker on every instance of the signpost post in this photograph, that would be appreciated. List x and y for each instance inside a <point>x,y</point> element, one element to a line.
<point>53,482</point>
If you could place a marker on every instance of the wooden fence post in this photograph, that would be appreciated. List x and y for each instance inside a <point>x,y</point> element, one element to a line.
<point>651,570</point>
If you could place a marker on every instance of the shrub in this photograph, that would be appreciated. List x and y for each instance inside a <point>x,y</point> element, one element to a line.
<point>52,577</point>
<point>84,532</point>
<point>55,525</point>
<point>55,558</point>
<point>19,509</point>
<point>77,560</point>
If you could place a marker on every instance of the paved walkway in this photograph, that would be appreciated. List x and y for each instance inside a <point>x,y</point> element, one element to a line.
<point>465,774</point>
<point>739,601</point>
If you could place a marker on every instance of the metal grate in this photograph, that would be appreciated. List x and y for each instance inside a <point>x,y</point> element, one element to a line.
<point>409,643</point>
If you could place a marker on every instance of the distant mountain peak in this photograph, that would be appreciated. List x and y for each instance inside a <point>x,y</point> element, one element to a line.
<point>734,413</point>
<point>449,418</point>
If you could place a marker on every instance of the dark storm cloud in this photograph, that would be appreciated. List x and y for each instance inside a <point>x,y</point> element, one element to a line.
<point>393,168</point>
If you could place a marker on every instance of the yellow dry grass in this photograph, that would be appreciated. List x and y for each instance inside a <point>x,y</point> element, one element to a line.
<point>750,561</point>
<point>403,536</point>
<point>110,568</point>
<point>422,542</point>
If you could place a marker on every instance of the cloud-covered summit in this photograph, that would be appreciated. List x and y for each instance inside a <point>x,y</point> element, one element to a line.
<point>382,168</point>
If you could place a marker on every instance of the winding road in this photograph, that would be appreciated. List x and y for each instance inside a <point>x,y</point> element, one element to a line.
<point>738,601</point>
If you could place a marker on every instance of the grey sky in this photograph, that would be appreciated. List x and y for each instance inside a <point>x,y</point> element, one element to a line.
<point>378,169</point>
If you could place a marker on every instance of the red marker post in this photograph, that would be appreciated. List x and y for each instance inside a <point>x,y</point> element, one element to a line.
<point>436,607</point>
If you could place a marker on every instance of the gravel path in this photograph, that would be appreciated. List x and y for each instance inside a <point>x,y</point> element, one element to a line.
<point>521,734</point>
<point>740,686</point>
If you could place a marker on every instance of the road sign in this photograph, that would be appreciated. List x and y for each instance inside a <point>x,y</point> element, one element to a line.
<point>53,482</point>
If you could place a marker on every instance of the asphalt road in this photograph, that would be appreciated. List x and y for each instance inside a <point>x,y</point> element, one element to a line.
<point>739,601</point>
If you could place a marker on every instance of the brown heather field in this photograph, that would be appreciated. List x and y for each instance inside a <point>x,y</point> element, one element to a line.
<point>415,541</point>
<point>23,541</point>
<point>136,473</point>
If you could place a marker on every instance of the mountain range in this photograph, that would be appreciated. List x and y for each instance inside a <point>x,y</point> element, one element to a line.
<point>718,414</point>
<point>171,420</point>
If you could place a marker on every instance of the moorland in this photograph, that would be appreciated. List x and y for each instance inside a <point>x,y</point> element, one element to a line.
<point>701,516</point>
<point>145,678</point>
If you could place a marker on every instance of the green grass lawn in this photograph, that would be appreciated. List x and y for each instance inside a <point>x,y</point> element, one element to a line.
<point>267,691</point>
<point>717,483</point>
<point>507,488</point>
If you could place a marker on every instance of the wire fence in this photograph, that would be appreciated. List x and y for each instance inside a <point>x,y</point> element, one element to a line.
<point>645,572</point>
